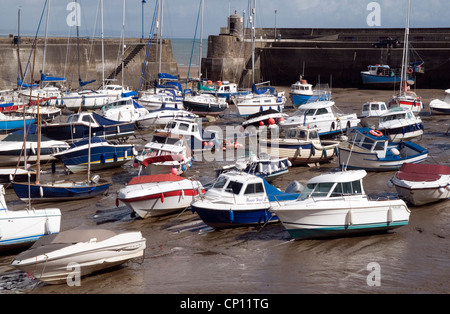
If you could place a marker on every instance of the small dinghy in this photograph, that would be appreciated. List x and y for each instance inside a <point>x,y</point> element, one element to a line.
<point>78,252</point>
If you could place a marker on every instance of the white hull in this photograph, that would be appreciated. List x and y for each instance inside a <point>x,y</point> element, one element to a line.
<point>340,216</point>
<point>23,227</point>
<point>420,196</point>
<point>159,198</point>
<point>59,265</point>
<point>298,156</point>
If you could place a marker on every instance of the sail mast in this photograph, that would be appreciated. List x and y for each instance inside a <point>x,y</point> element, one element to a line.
<point>405,61</point>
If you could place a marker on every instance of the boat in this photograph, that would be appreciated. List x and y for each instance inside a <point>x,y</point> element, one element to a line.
<point>165,153</point>
<point>46,112</point>
<point>196,137</point>
<point>269,117</point>
<point>301,145</point>
<point>221,89</point>
<point>400,124</point>
<point>87,249</point>
<point>323,115</point>
<point>406,98</point>
<point>238,199</point>
<point>260,100</point>
<point>263,166</point>
<point>78,124</point>
<point>11,149</point>
<point>370,150</point>
<point>438,106</point>
<point>104,154</point>
<point>21,228</point>
<point>205,104</point>
<point>14,122</point>
<point>335,204</point>
<point>420,184</point>
<point>7,175</point>
<point>302,92</point>
<point>383,76</point>
<point>373,109</point>
<point>126,109</point>
<point>85,99</point>
<point>58,191</point>
<point>161,99</point>
<point>160,117</point>
<point>157,195</point>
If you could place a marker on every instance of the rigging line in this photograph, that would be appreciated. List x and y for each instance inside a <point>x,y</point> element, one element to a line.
<point>149,44</point>
<point>193,43</point>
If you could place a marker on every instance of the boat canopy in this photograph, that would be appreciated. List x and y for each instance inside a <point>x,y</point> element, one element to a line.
<point>85,82</point>
<point>167,76</point>
<point>422,172</point>
<point>23,85</point>
<point>18,137</point>
<point>343,176</point>
<point>45,78</point>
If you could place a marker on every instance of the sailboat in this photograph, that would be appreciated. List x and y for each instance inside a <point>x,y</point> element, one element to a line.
<point>407,98</point>
<point>261,98</point>
<point>59,190</point>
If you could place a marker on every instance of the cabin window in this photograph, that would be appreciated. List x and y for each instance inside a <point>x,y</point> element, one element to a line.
<point>347,188</point>
<point>316,190</point>
<point>220,183</point>
<point>73,118</point>
<point>379,146</point>
<point>321,111</point>
<point>233,187</point>
<point>365,107</point>
<point>254,188</point>
<point>367,143</point>
<point>184,127</point>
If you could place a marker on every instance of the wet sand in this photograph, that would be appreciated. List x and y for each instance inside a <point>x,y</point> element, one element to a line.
<point>183,255</point>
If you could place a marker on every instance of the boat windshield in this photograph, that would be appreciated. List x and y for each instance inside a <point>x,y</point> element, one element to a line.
<point>338,189</point>
<point>305,112</point>
<point>233,187</point>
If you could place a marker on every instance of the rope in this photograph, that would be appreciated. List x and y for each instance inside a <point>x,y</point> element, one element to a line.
<point>193,44</point>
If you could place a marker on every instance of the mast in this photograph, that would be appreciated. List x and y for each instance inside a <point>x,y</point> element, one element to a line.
<point>405,60</point>
<point>45,42</point>
<point>201,43</point>
<point>252,22</point>
<point>78,44</point>
<point>123,37</point>
<point>103,49</point>
<point>161,9</point>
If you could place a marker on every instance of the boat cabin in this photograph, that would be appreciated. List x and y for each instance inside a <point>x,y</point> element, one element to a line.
<point>373,109</point>
<point>83,118</point>
<point>238,188</point>
<point>398,113</point>
<point>331,185</point>
<point>302,87</point>
<point>371,140</point>
<point>303,133</point>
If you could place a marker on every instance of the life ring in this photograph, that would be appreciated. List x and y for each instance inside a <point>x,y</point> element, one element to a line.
<point>375,133</point>
<point>410,71</point>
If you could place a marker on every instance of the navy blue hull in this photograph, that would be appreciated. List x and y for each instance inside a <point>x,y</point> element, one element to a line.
<point>49,193</point>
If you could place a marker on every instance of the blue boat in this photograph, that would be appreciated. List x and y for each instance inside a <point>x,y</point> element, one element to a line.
<point>14,122</point>
<point>77,127</point>
<point>239,199</point>
<point>104,154</point>
<point>382,76</point>
<point>60,191</point>
<point>302,93</point>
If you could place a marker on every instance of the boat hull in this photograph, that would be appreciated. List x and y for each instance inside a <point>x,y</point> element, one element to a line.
<point>204,109</point>
<point>360,159</point>
<point>58,191</point>
<point>59,266</point>
<point>298,99</point>
<point>8,125</point>
<point>220,218</point>
<point>331,218</point>
<point>23,228</point>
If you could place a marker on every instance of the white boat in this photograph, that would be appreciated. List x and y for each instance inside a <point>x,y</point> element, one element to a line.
<point>47,113</point>
<point>163,116</point>
<point>238,199</point>
<point>161,99</point>
<point>370,150</point>
<point>165,153</point>
<point>270,118</point>
<point>438,106</point>
<point>12,145</point>
<point>400,124</point>
<point>157,195</point>
<point>125,109</point>
<point>301,145</point>
<point>19,228</point>
<point>260,102</point>
<point>196,137</point>
<point>324,116</point>
<point>408,100</point>
<point>86,99</point>
<point>373,109</point>
<point>78,252</point>
<point>420,184</point>
<point>335,204</point>
<point>263,166</point>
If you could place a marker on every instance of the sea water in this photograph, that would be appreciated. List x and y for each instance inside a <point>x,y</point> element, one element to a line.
<point>185,51</point>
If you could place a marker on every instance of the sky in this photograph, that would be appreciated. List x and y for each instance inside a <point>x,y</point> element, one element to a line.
<point>180,16</point>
